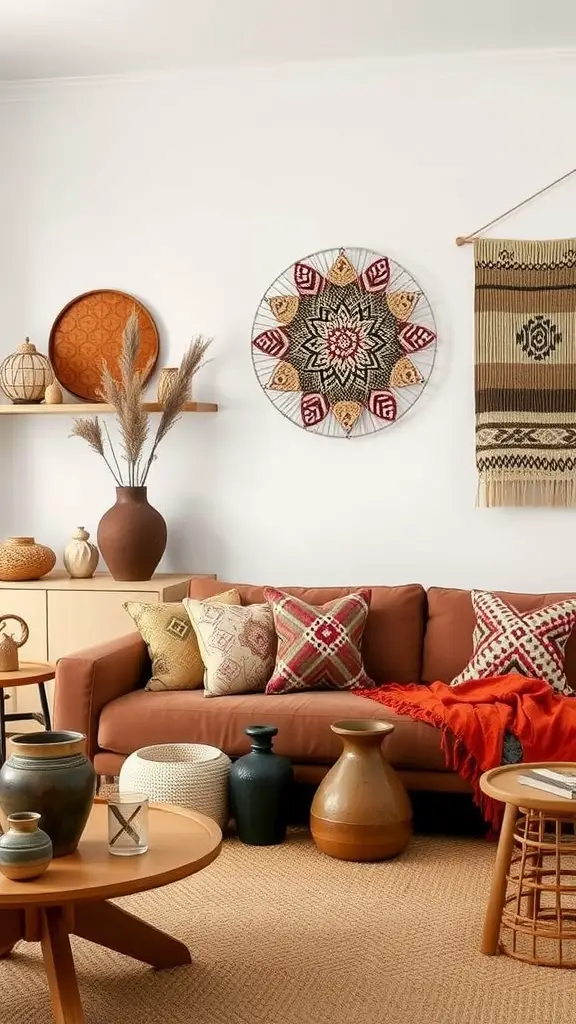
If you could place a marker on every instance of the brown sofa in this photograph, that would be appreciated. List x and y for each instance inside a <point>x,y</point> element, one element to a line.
<point>411,635</point>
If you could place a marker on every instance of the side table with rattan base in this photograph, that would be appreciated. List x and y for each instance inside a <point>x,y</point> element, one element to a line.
<point>531,913</point>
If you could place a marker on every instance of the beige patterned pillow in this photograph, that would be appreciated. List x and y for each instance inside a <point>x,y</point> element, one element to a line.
<point>171,641</point>
<point>237,645</point>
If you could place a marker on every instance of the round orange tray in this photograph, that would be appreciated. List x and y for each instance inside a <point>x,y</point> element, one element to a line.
<point>89,330</point>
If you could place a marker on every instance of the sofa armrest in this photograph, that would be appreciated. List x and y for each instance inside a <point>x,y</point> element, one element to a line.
<point>88,680</point>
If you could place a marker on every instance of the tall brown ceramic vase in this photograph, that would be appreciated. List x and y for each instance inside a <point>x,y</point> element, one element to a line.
<point>132,536</point>
<point>361,810</point>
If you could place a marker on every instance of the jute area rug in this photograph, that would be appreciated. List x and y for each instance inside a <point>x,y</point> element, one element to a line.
<point>285,935</point>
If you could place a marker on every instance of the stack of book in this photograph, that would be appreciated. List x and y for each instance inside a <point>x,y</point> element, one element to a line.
<point>559,783</point>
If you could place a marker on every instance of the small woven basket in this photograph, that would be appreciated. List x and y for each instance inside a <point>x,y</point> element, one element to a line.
<point>190,775</point>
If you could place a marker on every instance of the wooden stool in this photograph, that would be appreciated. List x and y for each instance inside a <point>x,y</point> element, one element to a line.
<point>531,913</point>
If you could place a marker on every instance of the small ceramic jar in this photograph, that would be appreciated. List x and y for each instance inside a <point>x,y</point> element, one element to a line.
<point>25,850</point>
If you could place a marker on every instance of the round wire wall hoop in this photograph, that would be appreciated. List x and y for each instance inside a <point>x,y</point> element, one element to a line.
<point>344,342</point>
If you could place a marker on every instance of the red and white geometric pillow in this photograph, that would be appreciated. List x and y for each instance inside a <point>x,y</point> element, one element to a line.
<point>318,646</point>
<point>528,644</point>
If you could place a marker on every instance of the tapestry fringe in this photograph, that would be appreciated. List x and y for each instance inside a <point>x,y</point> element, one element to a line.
<point>497,492</point>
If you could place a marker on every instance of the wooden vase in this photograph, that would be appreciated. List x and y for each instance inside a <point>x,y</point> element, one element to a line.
<point>361,810</point>
<point>132,536</point>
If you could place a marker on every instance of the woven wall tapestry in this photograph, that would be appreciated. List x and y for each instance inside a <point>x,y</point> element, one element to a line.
<point>526,372</point>
<point>344,342</point>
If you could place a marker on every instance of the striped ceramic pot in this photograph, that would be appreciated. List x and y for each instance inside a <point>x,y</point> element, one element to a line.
<point>25,850</point>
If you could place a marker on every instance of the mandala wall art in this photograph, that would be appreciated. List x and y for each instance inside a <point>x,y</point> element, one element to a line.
<point>344,342</point>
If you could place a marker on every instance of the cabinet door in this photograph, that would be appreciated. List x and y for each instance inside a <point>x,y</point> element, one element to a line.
<point>31,606</point>
<point>79,619</point>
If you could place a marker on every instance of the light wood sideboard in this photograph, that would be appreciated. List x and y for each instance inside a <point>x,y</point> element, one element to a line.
<point>67,615</point>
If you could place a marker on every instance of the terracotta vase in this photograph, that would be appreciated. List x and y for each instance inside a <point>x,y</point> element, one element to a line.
<point>361,810</point>
<point>132,536</point>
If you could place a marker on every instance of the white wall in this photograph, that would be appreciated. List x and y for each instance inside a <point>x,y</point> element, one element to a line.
<point>193,192</point>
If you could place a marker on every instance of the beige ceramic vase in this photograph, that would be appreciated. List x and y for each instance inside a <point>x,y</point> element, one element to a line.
<point>80,556</point>
<point>21,558</point>
<point>361,810</point>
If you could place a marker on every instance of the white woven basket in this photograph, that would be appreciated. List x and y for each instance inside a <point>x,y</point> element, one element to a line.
<point>187,774</point>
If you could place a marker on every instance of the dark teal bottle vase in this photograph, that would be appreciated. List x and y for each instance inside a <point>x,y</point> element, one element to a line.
<point>260,787</point>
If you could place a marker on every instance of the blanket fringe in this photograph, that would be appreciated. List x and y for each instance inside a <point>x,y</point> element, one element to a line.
<point>458,758</point>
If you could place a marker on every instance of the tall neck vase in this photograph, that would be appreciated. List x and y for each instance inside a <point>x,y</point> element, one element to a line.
<point>132,536</point>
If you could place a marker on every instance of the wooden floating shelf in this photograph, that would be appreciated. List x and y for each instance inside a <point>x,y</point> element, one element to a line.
<point>90,408</point>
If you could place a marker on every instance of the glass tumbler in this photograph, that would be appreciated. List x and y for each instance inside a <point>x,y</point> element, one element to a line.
<point>127,824</point>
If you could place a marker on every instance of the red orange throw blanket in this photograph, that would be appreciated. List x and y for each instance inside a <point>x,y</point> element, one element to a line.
<point>475,716</point>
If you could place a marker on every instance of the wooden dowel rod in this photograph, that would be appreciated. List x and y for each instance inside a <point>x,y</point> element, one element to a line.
<point>468,239</point>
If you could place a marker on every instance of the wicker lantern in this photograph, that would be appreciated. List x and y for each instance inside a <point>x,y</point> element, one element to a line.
<point>25,375</point>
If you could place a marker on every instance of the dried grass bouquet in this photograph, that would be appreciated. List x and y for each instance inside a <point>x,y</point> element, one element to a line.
<point>127,397</point>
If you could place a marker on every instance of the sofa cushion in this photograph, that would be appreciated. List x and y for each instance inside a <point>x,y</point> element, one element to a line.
<point>448,641</point>
<point>237,645</point>
<point>141,718</point>
<point>319,646</point>
<point>166,630</point>
<point>393,637</point>
<point>529,644</point>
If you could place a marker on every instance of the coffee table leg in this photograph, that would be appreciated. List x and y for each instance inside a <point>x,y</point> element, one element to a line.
<point>11,930</point>
<point>108,925</point>
<point>59,967</point>
<point>493,917</point>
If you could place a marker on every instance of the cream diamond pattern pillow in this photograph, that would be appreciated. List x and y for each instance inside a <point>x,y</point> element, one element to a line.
<point>171,641</point>
<point>237,645</point>
<point>528,644</point>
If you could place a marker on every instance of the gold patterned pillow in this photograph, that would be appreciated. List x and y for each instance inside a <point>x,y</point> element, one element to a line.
<point>237,645</point>
<point>171,641</point>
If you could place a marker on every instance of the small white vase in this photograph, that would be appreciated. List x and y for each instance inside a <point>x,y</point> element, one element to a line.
<point>80,556</point>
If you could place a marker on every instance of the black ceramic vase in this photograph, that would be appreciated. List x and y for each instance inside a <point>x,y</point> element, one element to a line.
<point>260,784</point>
<point>48,772</point>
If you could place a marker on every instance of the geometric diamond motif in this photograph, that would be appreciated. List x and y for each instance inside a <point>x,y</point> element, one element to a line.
<point>319,647</point>
<point>529,644</point>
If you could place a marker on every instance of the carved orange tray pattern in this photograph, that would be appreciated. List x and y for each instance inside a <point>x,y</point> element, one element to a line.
<point>89,330</point>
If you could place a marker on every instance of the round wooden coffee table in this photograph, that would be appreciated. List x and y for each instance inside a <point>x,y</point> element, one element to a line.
<point>30,673</point>
<point>71,898</point>
<point>534,879</point>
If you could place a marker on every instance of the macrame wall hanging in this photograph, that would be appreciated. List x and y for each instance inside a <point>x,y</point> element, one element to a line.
<point>344,342</point>
<point>525,304</point>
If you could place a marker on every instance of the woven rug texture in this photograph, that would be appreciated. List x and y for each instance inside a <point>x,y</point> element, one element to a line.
<point>285,935</point>
<point>525,303</point>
